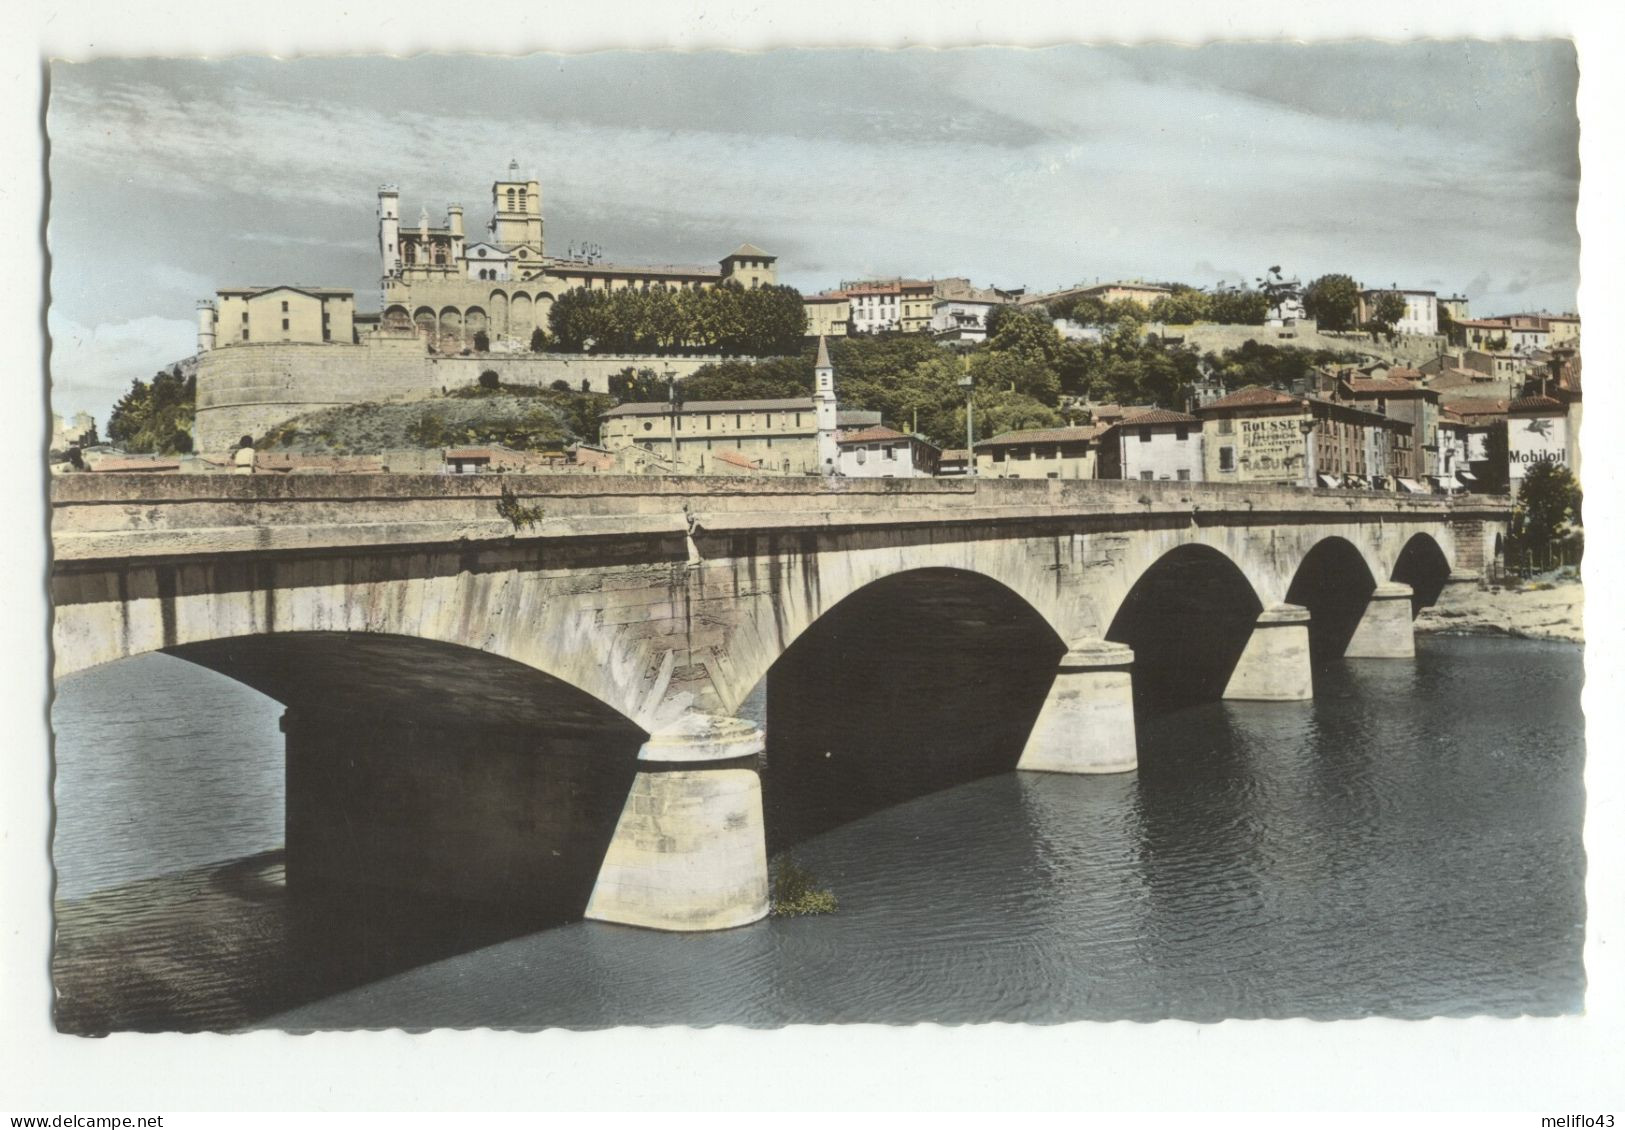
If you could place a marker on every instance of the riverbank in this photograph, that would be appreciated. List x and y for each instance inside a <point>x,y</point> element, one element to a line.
<point>1538,610</point>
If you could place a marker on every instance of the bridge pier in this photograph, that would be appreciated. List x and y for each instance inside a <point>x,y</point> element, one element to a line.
<point>1384,631</point>
<point>689,851</point>
<point>1274,666</point>
<point>1087,721</point>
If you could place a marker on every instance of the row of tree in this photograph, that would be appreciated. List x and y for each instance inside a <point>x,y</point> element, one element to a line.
<point>729,319</point>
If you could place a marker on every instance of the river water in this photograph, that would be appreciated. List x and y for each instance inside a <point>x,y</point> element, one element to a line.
<point>1407,845</point>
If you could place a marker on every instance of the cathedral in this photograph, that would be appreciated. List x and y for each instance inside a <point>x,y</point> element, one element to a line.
<point>446,287</point>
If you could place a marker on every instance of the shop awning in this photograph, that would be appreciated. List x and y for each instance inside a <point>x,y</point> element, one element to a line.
<point>1328,481</point>
<point>1467,476</point>
<point>1413,486</point>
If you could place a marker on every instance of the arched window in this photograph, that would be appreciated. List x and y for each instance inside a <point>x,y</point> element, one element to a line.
<point>440,254</point>
<point>510,200</point>
<point>411,252</point>
<point>521,200</point>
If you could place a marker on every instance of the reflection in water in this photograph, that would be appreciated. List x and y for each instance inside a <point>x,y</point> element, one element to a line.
<point>1406,845</point>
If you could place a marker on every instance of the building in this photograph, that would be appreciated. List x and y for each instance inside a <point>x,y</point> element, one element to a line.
<point>1138,292</point>
<point>1421,310</point>
<point>243,315</point>
<point>954,461</point>
<point>876,307</point>
<point>443,287</point>
<point>961,319</point>
<point>828,314</point>
<point>883,453</point>
<point>792,435</point>
<point>1537,432</point>
<point>1501,335</point>
<point>1453,307</point>
<point>1262,435</point>
<point>1155,446</point>
<point>1399,399</point>
<point>1039,453</point>
<point>916,299</point>
<point>781,434</point>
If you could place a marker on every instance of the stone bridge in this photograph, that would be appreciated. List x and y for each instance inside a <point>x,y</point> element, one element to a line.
<point>437,640</point>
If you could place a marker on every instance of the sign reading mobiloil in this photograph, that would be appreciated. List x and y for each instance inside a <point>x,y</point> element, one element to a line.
<point>1544,439</point>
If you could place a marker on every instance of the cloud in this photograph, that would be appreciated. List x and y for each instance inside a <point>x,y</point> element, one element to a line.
<point>92,366</point>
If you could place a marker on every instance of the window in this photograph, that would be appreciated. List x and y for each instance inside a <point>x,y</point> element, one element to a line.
<point>245,333</point>
<point>284,307</point>
<point>1184,474</point>
<point>708,421</point>
<point>798,419</point>
<point>739,421</point>
<point>647,426</point>
<point>1227,459</point>
<point>769,420</point>
<point>1182,433</point>
<point>1227,426</point>
<point>1146,476</point>
<point>1145,435</point>
<point>245,317</point>
<point>891,452</point>
<point>284,323</point>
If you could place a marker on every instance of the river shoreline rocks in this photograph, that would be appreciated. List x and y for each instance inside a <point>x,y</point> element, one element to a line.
<point>1542,610</point>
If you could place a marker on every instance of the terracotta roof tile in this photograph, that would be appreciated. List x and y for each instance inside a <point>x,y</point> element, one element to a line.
<point>1253,396</point>
<point>1042,435</point>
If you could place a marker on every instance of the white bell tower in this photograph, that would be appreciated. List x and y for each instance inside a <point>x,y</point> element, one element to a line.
<point>824,404</point>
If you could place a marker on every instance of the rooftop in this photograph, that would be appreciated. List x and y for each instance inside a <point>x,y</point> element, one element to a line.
<point>662,408</point>
<point>1042,435</point>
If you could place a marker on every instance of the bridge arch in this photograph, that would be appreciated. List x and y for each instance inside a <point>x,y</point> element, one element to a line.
<point>1334,581</point>
<point>1424,565</point>
<point>916,682</point>
<point>422,773</point>
<point>1188,618</point>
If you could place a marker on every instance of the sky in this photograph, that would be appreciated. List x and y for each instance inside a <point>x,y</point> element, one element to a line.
<point>1450,166</point>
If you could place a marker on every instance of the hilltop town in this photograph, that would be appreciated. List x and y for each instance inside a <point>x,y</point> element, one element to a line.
<point>490,353</point>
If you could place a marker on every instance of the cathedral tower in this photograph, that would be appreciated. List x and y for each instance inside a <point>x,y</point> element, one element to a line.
<point>516,212</point>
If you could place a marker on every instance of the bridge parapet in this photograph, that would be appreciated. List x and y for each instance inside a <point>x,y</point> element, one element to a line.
<point>120,516</point>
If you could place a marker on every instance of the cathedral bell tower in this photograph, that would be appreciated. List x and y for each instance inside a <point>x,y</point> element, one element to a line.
<point>824,406</point>
<point>516,212</point>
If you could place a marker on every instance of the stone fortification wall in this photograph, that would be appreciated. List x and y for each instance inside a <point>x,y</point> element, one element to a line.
<point>250,389</point>
<point>545,368</point>
<point>1305,335</point>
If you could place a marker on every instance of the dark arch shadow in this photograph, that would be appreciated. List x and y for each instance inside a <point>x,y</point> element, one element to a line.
<point>913,684</point>
<point>1424,566</point>
<point>1335,584</point>
<point>1188,619</point>
<point>438,800</point>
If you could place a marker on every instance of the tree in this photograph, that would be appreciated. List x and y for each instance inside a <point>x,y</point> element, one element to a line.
<point>490,379</point>
<point>538,340</point>
<point>482,342</point>
<point>1238,306</point>
<point>1546,516</point>
<point>1333,301</point>
<point>637,386</point>
<point>1492,472</point>
<point>1024,334</point>
<point>1386,312</point>
<point>153,417</point>
<point>1184,307</point>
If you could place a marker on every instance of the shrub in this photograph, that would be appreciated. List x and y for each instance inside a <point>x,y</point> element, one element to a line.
<point>490,379</point>
<point>795,892</point>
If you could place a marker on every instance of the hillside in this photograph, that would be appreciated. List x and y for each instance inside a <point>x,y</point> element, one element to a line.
<point>524,420</point>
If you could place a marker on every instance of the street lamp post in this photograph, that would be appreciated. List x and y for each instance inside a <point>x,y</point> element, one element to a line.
<point>674,397</point>
<point>968,383</point>
<point>1307,428</point>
